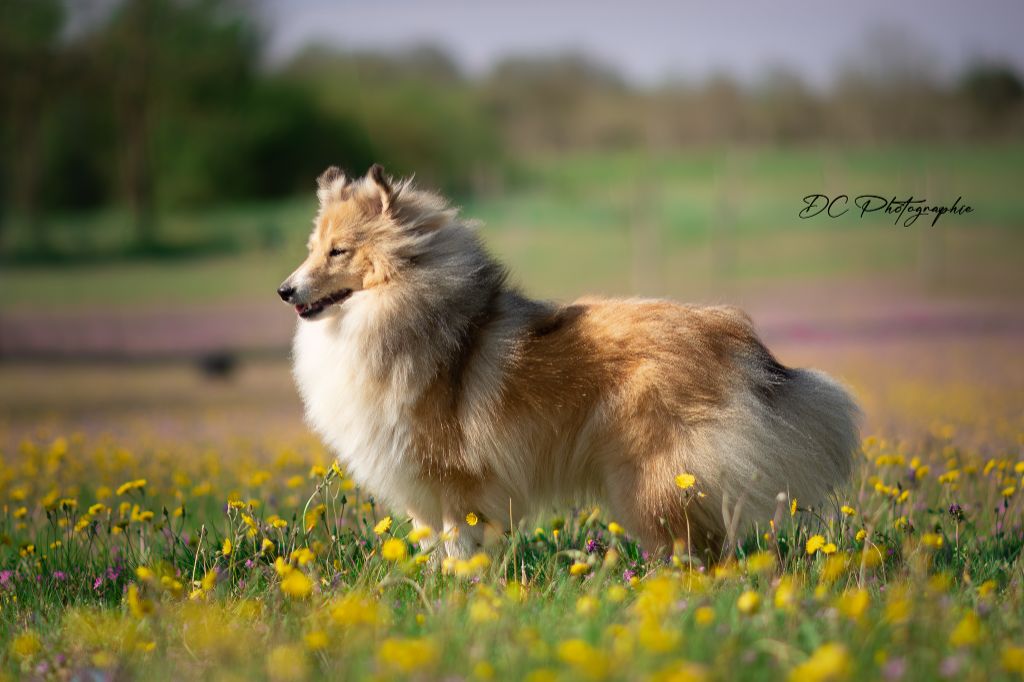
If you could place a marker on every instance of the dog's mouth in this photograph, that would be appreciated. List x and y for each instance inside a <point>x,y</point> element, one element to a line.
<point>308,311</point>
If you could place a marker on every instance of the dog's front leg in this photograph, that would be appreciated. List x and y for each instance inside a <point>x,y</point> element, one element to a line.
<point>427,538</point>
<point>461,540</point>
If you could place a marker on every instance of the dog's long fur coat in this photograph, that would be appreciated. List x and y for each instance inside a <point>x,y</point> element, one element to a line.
<point>444,391</point>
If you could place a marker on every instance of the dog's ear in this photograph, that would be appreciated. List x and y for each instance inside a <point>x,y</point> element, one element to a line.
<point>329,185</point>
<point>384,186</point>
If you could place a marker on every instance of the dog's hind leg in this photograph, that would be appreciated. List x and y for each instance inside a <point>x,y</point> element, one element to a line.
<point>661,516</point>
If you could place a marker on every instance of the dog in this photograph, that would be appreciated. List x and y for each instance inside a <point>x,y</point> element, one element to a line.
<point>448,393</point>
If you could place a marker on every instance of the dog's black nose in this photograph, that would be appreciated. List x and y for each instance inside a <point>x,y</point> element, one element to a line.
<point>286,292</point>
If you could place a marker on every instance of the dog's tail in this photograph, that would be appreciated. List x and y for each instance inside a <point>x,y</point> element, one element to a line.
<point>796,433</point>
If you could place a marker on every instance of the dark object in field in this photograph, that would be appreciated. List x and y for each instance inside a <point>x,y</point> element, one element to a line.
<point>219,365</point>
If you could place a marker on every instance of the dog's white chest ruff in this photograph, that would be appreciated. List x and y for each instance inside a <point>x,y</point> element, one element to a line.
<point>364,422</point>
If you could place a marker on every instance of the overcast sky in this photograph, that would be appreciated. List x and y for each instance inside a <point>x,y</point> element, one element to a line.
<point>649,41</point>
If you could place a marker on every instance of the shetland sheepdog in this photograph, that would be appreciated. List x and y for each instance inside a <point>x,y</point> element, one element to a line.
<point>446,392</point>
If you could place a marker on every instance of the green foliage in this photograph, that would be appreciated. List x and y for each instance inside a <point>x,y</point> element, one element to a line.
<point>166,105</point>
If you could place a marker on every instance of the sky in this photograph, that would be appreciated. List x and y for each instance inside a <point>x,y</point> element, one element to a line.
<point>650,41</point>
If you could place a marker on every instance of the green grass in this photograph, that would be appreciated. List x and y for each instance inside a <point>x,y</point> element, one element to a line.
<point>593,222</point>
<point>303,576</point>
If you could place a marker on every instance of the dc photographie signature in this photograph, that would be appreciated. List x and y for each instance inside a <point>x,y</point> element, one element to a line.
<point>906,211</point>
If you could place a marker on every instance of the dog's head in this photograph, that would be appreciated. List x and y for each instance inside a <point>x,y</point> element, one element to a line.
<point>365,232</point>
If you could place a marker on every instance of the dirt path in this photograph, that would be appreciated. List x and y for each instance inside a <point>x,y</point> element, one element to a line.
<point>811,313</point>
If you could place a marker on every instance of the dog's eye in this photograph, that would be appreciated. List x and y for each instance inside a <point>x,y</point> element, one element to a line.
<point>337,252</point>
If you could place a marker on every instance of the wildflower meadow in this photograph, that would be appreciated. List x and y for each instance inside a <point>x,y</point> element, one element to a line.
<point>131,551</point>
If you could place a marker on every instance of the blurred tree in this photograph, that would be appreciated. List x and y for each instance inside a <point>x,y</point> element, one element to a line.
<point>993,90</point>
<point>418,113</point>
<point>172,66</point>
<point>559,101</point>
<point>29,33</point>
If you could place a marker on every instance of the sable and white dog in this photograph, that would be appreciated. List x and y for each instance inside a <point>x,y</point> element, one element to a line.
<point>444,391</point>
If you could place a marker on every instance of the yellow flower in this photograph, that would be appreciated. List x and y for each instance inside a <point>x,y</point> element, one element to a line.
<point>579,568</point>
<point>616,529</point>
<point>393,549</point>
<point>137,484</point>
<point>584,658</point>
<point>792,507</point>
<point>785,594</point>
<point>932,540</point>
<point>258,478</point>
<point>302,556</point>
<point>144,574</point>
<point>967,632</point>
<point>407,654</point>
<point>853,603</point>
<point>814,543</point>
<point>861,534</point>
<point>828,662</point>
<point>1009,491</point>
<point>138,606</point>
<point>834,567</point>
<point>421,533</point>
<point>225,548</point>
<point>705,615</point>
<point>761,562</point>
<point>382,526</point>
<point>287,663</point>
<point>848,510</point>
<point>480,611</point>
<point>749,602</point>
<point>316,640</point>
<point>829,548</point>
<point>295,481</point>
<point>1013,659</point>
<point>26,645</point>
<point>587,605</point>
<point>616,594</point>
<point>987,588</point>
<point>685,481</point>
<point>296,585</point>
<point>472,519</point>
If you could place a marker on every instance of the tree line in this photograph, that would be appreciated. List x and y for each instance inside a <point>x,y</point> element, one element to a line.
<point>165,104</point>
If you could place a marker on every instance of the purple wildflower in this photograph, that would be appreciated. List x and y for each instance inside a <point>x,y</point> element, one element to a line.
<point>895,669</point>
<point>950,666</point>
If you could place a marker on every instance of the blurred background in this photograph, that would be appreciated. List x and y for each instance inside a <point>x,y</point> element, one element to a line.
<point>157,183</point>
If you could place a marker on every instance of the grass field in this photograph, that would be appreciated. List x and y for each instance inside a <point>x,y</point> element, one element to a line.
<point>678,225</point>
<point>157,524</point>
